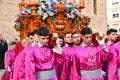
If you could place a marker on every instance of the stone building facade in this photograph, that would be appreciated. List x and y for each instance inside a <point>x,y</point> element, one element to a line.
<point>113,14</point>
<point>95,9</point>
<point>8,9</point>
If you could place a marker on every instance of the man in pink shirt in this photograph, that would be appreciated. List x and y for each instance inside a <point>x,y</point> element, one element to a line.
<point>114,65</point>
<point>87,62</point>
<point>69,52</point>
<point>76,38</point>
<point>32,40</point>
<point>40,60</point>
<point>112,38</point>
<point>19,47</point>
<point>66,51</point>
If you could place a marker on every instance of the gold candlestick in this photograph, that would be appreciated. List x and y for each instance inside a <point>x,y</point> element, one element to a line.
<point>28,1</point>
<point>74,1</point>
<point>82,3</point>
<point>39,1</point>
<point>22,4</point>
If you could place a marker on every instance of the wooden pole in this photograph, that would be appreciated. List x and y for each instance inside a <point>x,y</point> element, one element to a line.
<point>82,3</point>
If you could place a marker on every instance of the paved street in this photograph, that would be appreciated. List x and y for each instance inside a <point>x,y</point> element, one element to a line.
<point>1,72</point>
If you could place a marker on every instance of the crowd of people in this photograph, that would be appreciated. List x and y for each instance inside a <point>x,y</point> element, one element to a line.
<point>75,56</point>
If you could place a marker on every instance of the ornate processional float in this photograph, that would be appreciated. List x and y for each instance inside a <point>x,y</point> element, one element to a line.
<point>59,16</point>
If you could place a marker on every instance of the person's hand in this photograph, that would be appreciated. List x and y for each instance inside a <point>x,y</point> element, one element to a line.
<point>104,73</point>
<point>54,36</point>
<point>57,49</point>
<point>9,69</point>
<point>101,42</point>
<point>100,38</point>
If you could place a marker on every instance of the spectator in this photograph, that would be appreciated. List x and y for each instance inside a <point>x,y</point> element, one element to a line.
<point>15,40</point>
<point>3,49</point>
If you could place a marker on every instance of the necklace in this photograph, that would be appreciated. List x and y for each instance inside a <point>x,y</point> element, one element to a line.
<point>90,57</point>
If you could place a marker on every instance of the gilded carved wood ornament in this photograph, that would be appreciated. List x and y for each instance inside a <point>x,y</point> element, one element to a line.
<point>59,17</point>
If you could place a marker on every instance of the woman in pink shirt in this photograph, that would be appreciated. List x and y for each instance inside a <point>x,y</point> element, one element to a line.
<point>9,62</point>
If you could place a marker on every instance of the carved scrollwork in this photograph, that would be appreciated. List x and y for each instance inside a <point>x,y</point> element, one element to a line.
<point>59,23</point>
<point>36,21</point>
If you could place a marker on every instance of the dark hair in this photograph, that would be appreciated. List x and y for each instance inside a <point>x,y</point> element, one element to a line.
<point>60,37</point>
<point>30,34</point>
<point>34,32</point>
<point>67,33</point>
<point>15,39</point>
<point>86,30</point>
<point>111,30</point>
<point>74,33</point>
<point>12,43</point>
<point>43,31</point>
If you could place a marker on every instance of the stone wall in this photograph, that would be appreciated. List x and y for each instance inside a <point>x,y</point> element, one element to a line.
<point>99,20</point>
<point>8,9</point>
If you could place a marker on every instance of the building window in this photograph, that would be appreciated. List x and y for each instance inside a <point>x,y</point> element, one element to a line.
<point>115,15</point>
<point>95,6</point>
<point>114,3</point>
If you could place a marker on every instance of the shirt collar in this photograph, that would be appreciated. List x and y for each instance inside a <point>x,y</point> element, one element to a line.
<point>39,44</point>
<point>32,44</point>
<point>83,45</point>
<point>66,45</point>
<point>109,43</point>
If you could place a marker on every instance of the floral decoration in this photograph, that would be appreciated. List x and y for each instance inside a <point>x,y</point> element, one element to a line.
<point>47,9</point>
